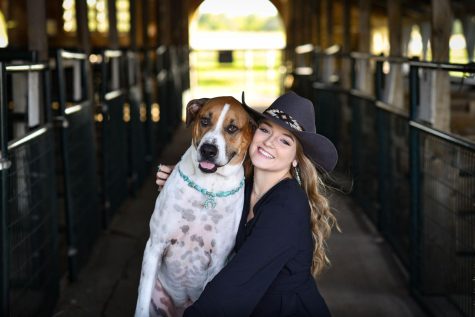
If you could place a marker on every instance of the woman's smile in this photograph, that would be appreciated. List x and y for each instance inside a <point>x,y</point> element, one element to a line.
<point>264,153</point>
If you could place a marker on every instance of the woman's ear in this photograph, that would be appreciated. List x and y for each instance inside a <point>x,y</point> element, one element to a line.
<point>192,109</point>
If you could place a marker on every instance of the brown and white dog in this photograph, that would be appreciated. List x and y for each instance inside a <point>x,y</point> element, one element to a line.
<point>196,215</point>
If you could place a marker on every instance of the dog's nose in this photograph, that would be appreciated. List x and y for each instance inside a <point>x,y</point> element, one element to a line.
<point>208,151</point>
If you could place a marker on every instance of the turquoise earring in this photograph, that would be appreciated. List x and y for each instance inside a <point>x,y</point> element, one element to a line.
<point>297,173</point>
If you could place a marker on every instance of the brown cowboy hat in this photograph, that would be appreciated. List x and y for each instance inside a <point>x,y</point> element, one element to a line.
<point>297,114</point>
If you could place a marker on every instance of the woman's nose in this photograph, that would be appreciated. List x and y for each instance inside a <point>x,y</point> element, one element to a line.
<point>269,141</point>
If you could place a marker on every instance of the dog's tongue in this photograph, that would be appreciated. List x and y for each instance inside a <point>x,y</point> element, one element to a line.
<point>207,165</point>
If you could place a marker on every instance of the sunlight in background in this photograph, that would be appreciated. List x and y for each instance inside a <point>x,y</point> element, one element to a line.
<point>238,7</point>
<point>236,45</point>
<point>3,31</point>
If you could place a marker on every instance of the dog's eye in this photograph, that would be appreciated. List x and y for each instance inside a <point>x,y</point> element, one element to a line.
<point>204,122</point>
<point>231,128</point>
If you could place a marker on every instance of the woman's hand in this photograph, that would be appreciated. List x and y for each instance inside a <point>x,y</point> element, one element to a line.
<point>162,174</point>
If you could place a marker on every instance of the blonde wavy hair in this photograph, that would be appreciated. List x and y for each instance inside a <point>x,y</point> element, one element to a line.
<point>322,219</point>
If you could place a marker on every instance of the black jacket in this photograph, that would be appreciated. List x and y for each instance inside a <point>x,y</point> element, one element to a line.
<point>269,274</point>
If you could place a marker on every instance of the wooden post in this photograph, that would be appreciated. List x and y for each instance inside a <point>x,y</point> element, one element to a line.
<point>37,38</point>
<point>133,25</point>
<point>83,33</point>
<point>364,80</point>
<point>346,47</point>
<point>329,15</point>
<point>113,33</point>
<point>164,20</point>
<point>145,21</point>
<point>442,19</point>
<point>468,23</point>
<point>319,22</point>
<point>313,23</point>
<point>393,92</point>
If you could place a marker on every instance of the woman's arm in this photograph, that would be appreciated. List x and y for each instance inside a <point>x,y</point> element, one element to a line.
<point>238,288</point>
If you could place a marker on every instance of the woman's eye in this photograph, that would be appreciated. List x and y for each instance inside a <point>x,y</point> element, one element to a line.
<point>204,122</point>
<point>285,142</point>
<point>231,129</point>
<point>263,129</point>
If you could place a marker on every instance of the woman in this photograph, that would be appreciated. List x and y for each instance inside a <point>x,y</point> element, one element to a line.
<point>280,245</point>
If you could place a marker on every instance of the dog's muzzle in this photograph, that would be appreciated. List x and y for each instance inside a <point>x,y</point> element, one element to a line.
<point>208,153</point>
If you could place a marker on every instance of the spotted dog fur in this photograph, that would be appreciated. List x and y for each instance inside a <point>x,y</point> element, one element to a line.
<point>188,243</point>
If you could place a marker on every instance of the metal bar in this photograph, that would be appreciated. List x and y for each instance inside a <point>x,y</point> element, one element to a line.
<point>335,88</point>
<point>359,94</point>
<point>30,136</point>
<point>443,135</point>
<point>26,68</point>
<point>70,235</point>
<point>381,127</point>
<point>113,94</point>
<point>466,68</point>
<point>4,273</point>
<point>73,109</point>
<point>414,165</point>
<point>71,55</point>
<point>304,71</point>
<point>392,109</point>
<point>379,80</point>
<point>112,53</point>
<point>305,48</point>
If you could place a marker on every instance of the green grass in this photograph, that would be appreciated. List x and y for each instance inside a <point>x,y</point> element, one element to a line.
<point>261,75</point>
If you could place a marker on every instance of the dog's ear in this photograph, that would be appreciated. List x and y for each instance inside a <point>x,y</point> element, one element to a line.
<point>192,109</point>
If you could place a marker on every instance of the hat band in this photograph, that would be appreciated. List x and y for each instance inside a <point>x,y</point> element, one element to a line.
<point>279,114</point>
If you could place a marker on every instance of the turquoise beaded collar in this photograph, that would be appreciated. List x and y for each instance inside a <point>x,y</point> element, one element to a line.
<point>210,201</point>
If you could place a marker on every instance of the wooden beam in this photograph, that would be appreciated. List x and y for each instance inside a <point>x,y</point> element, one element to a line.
<point>82,32</point>
<point>346,47</point>
<point>395,27</point>
<point>442,19</point>
<point>468,22</point>
<point>37,38</point>
<point>329,15</point>
<point>364,26</point>
<point>364,80</point>
<point>133,25</point>
<point>113,33</point>
<point>145,21</point>
<point>393,91</point>
<point>319,22</point>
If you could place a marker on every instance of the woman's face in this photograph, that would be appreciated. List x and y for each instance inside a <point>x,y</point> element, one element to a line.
<point>273,148</point>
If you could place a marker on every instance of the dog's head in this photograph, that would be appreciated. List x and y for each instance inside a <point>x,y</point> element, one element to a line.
<point>221,130</point>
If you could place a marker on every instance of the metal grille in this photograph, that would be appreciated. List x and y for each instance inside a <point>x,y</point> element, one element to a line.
<point>150,89</point>
<point>365,155</point>
<point>84,214</point>
<point>447,250</point>
<point>32,228</point>
<point>136,140</point>
<point>395,182</point>
<point>113,156</point>
<point>334,121</point>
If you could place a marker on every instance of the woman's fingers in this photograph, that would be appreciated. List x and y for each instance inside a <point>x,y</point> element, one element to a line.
<point>166,168</point>
<point>163,173</point>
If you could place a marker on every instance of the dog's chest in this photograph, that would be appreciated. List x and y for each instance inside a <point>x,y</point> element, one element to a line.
<point>197,237</point>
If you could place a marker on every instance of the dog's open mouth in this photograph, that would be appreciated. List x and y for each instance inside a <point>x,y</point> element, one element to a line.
<point>208,167</point>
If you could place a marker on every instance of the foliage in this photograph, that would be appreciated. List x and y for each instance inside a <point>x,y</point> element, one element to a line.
<point>221,22</point>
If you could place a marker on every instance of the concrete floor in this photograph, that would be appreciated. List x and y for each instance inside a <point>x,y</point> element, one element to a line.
<point>364,279</point>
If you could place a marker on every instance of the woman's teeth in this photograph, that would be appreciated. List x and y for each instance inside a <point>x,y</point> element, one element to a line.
<point>264,153</point>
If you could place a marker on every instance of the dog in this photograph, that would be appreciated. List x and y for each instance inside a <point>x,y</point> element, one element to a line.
<point>197,214</point>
